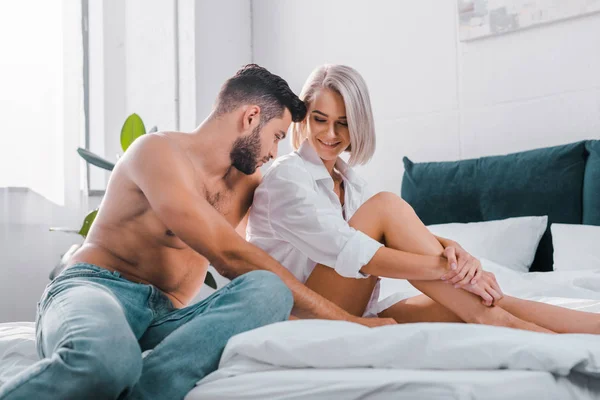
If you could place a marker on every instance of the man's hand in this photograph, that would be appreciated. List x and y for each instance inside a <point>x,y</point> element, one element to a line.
<point>374,322</point>
<point>464,268</point>
<point>487,288</point>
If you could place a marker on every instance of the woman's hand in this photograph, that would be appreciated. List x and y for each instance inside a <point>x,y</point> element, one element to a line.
<point>487,288</point>
<point>464,268</point>
<point>466,273</point>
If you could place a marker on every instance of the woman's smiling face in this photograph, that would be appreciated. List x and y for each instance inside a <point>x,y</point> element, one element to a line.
<point>327,126</point>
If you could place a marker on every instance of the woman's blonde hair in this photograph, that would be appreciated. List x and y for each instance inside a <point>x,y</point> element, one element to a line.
<point>351,86</point>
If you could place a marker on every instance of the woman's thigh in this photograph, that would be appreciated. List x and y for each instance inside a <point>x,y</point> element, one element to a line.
<point>350,294</point>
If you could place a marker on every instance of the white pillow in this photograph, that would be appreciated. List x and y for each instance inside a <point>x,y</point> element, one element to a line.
<point>509,242</point>
<point>576,246</point>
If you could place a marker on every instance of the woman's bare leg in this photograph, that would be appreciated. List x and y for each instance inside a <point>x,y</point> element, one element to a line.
<point>557,319</point>
<point>403,230</point>
<point>350,294</point>
<point>397,228</point>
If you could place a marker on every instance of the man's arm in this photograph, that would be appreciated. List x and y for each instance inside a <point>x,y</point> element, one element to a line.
<point>167,179</point>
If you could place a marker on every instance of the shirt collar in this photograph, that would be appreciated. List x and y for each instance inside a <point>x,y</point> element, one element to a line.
<point>317,169</point>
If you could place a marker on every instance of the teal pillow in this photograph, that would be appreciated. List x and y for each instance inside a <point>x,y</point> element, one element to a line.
<point>591,184</point>
<point>546,181</point>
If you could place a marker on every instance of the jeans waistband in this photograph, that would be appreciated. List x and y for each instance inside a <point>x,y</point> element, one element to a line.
<point>83,267</point>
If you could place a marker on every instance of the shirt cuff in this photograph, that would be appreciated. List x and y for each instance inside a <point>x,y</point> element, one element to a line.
<point>357,252</point>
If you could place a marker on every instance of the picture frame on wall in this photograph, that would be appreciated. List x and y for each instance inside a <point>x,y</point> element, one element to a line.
<point>483,18</point>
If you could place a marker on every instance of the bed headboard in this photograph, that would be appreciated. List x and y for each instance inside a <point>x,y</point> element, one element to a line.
<point>562,182</point>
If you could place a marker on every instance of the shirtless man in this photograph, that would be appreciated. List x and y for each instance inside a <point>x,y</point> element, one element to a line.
<point>170,208</point>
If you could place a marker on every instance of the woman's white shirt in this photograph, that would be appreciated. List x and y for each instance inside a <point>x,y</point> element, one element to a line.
<point>297,217</point>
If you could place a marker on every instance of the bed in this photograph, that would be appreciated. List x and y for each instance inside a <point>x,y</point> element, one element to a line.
<point>338,360</point>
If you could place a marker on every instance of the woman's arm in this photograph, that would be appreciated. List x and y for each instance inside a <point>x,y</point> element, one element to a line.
<point>390,263</point>
<point>300,216</point>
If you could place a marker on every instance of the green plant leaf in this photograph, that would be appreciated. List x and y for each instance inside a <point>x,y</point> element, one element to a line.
<point>210,281</point>
<point>95,159</point>
<point>132,129</point>
<point>87,223</point>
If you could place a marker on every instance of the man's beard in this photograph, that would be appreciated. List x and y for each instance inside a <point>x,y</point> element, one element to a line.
<point>246,152</point>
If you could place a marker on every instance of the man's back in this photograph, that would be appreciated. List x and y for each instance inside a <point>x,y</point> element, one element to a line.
<point>128,236</point>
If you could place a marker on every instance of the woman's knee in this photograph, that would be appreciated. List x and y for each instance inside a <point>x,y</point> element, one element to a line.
<point>388,202</point>
<point>389,198</point>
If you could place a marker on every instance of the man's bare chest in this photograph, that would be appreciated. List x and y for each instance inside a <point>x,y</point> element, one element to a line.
<point>230,195</point>
<point>221,197</point>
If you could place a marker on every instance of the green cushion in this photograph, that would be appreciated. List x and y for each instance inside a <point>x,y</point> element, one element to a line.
<point>538,182</point>
<point>591,184</point>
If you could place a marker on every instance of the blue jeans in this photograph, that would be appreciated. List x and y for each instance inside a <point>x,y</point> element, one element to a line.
<point>93,326</point>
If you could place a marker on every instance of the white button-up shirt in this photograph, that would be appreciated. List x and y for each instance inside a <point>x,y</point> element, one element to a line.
<point>297,217</point>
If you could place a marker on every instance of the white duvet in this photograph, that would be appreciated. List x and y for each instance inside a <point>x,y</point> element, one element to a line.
<point>435,346</point>
<point>425,350</point>
<point>419,353</point>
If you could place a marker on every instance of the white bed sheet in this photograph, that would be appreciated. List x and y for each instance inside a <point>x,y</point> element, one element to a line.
<point>17,348</point>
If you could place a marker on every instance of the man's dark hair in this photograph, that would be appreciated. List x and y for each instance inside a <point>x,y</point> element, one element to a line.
<point>253,84</point>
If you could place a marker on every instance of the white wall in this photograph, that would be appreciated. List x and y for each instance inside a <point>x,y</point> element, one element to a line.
<point>534,88</point>
<point>223,45</point>
<point>166,69</point>
<point>132,70</point>
<point>436,98</point>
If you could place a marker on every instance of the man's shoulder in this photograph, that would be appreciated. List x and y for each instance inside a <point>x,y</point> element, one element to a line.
<point>156,149</point>
<point>157,143</point>
<point>154,158</point>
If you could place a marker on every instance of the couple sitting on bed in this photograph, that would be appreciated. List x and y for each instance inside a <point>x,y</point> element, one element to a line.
<point>170,208</point>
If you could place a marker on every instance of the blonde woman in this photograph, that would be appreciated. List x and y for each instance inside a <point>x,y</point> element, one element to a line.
<point>313,214</point>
